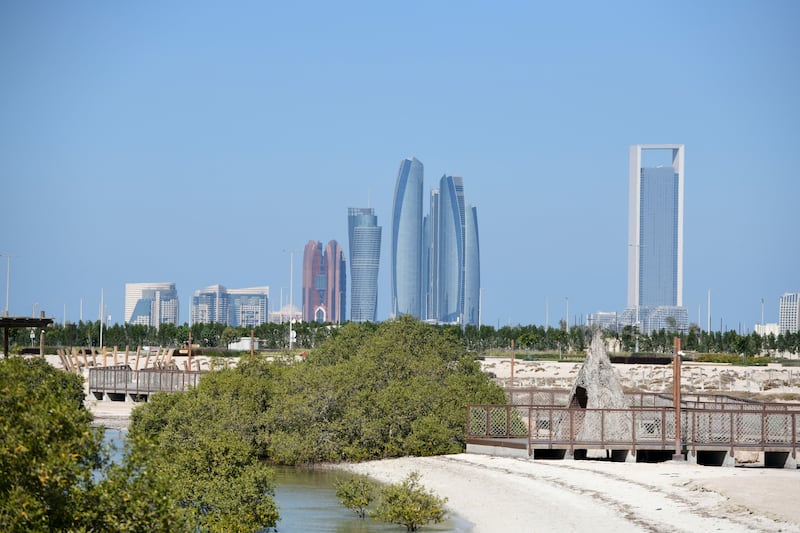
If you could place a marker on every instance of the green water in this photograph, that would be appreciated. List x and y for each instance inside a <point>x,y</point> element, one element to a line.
<point>307,502</point>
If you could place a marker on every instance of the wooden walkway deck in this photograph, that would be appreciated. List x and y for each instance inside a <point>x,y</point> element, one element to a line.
<point>707,424</point>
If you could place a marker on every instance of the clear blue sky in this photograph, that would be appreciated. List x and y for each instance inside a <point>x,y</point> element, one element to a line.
<point>194,142</point>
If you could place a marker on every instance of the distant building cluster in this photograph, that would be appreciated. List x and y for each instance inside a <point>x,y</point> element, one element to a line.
<point>435,269</point>
<point>788,317</point>
<point>233,307</point>
<point>435,258</point>
<point>435,262</point>
<point>153,304</point>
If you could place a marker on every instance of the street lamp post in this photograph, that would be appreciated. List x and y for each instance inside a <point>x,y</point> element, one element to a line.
<point>291,301</point>
<point>8,278</point>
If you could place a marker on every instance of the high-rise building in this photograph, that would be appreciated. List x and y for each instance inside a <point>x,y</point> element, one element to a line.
<point>453,256</point>
<point>472,268</point>
<point>789,313</point>
<point>451,249</point>
<point>655,240</point>
<point>365,250</point>
<point>151,304</point>
<point>314,282</point>
<point>324,282</point>
<point>431,225</point>
<point>246,307</point>
<point>210,305</point>
<point>407,241</point>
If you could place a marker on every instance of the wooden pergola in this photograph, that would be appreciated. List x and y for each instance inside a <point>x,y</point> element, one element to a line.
<point>12,322</point>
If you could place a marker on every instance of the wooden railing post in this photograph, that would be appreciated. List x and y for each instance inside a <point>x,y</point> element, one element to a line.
<point>676,398</point>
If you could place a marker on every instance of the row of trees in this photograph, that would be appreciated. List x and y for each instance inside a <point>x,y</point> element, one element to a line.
<point>56,474</point>
<point>474,339</point>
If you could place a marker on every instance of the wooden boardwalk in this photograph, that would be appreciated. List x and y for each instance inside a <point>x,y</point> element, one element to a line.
<point>537,419</point>
<point>124,383</point>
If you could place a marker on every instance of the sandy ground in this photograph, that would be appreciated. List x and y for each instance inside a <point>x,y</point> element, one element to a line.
<point>521,495</point>
<point>772,380</point>
<point>510,495</point>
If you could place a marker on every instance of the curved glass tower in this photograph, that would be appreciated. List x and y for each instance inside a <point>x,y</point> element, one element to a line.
<point>407,266</point>
<point>472,268</point>
<point>365,251</point>
<point>451,249</point>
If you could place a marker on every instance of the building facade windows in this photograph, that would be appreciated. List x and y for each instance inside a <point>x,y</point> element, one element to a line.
<point>324,282</point>
<point>247,307</point>
<point>655,240</point>
<point>407,242</point>
<point>151,304</point>
<point>789,313</point>
<point>365,249</point>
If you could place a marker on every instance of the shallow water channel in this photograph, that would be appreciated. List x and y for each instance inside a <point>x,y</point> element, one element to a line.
<point>307,502</point>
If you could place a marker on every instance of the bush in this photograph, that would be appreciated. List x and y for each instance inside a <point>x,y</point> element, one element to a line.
<point>56,475</point>
<point>356,494</point>
<point>409,504</point>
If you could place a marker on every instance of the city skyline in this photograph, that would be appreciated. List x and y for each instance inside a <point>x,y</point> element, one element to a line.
<point>435,258</point>
<point>201,143</point>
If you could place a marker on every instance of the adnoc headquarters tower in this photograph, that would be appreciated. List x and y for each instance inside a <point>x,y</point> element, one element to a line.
<point>407,266</point>
<point>365,253</point>
<point>655,240</point>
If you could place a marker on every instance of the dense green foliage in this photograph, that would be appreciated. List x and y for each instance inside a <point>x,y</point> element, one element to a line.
<point>55,472</point>
<point>409,504</point>
<point>375,391</point>
<point>210,442</point>
<point>356,493</point>
<point>47,448</point>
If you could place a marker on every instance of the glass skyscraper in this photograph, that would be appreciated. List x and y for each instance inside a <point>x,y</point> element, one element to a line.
<point>151,304</point>
<point>451,249</point>
<point>472,268</point>
<point>365,250</point>
<point>655,240</point>
<point>407,242</point>
<point>455,250</point>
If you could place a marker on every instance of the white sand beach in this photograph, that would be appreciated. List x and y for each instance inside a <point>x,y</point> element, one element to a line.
<point>521,495</point>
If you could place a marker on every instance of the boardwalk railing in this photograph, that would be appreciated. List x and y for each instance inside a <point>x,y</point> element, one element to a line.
<point>559,427</point>
<point>140,382</point>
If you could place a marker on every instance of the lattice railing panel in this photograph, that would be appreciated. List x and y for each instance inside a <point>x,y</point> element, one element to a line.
<point>778,428</point>
<point>747,427</point>
<point>477,420</point>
